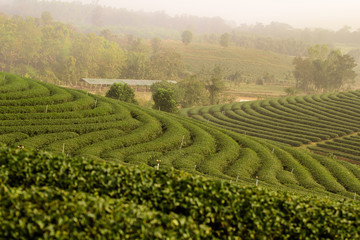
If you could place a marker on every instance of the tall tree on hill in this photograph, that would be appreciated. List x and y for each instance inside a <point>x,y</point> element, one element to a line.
<point>304,73</point>
<point>122,92</point>
<point>164,100</point>
<point>194,92</point>
<point>324,72</point>
<point>225,40</point>
<point>319,51</point>
<point>215,84</point>
<point>166,64</point>
<point>137,66</point>
<point>178,94</point>
<point>186,37</point>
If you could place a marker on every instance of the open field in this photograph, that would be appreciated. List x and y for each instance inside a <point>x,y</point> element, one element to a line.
<point>42,116</point>
<point>253,63</point>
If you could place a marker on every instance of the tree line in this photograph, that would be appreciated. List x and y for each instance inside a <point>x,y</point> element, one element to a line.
<point>47,50</point>
<point>278,37</point>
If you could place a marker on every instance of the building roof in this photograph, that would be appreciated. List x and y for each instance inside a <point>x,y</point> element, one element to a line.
<point>131,82</point>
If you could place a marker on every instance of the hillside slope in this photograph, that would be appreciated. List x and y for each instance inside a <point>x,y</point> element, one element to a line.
<point>44,196</point>
<point>42,116</point>
<point>328,122</point>
<point>252,63</point>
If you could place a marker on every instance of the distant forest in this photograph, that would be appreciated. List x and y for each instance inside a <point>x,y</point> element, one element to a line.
<point>44,49</point>
<point>94,18</point>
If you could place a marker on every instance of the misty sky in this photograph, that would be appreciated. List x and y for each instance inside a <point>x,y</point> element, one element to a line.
<point>330,14</point>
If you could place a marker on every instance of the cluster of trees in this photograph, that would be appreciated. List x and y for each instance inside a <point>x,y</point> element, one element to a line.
<point>323,70</point>
<point>169,96</point>
<point>277,37</point>
<point>192,91</point>
<point>54,52</point>
<point>266,78</point>
<point>186,37</point>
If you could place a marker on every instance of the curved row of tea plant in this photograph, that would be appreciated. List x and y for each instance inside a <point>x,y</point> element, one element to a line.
<point>292,120</point>
<point>43,196</point>
<point>81,124</point>
<point>345,148</point>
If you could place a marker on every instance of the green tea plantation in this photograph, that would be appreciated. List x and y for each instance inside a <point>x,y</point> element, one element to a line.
<point>98,177</point>
<point>46,196</point>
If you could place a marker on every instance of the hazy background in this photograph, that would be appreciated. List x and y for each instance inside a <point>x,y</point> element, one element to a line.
<point>329,14</point>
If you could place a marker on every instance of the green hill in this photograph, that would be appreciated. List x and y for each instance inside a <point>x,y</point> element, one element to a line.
<point>44,196</point>
<point>252,63</point>
<point>327,123</point>
<point>43,116</point>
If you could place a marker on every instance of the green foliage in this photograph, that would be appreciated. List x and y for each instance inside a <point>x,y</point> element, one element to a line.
<point>186,37</point>
<point>121,92</point>
<point>290,91</point>
<point>215,84</point>
<point>59,54</point>
<point>137,66</point>
<point>164,100</point>
<point>225,39</point>
<point>287,119</point>
<point>104,129</point>
<point>165,85</point>
<point>323,71</point>
<point>39,192</point>
<point>166,64</point>
<point>236,77</point>
<point>194,93</point>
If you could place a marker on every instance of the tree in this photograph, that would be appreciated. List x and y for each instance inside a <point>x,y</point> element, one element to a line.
<point>164,100</point>
<point>340,70</point>
<point>318,51</point>
<point>178,94</point>
<point>322,72</point>
<point>225,39</point>
<point>290,91</point>
<point>194,92</point>
<point>137,66</point>
<point>236,77</point>
<point>268,78</point>
<point>166,64</point>
<point>186,37</point>
<point>303,73</point>
<point>46,18</point>
<point>121,92</point>
<point>215,85</point>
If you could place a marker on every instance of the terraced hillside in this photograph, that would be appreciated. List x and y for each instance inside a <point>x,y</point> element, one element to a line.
<point>42,116</point>
<point>331,119</point>
<point>252,63</point>
<point>43,196</point>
